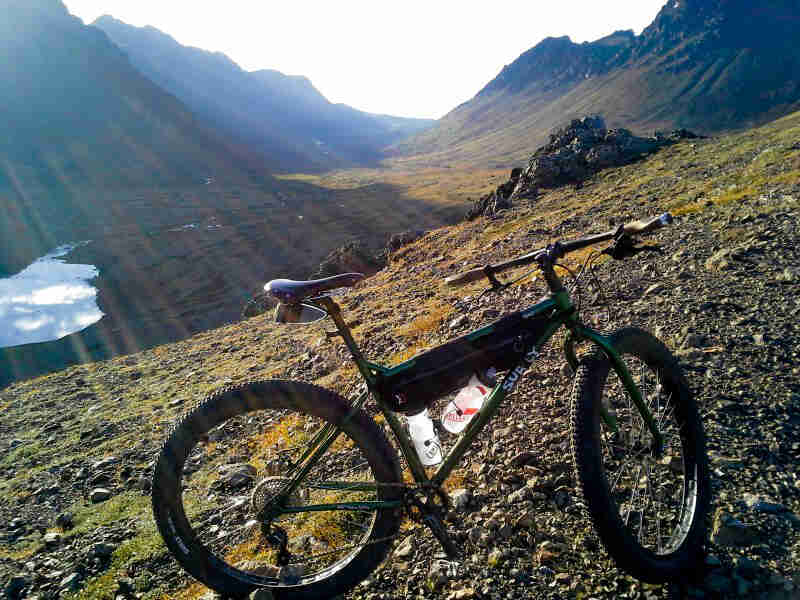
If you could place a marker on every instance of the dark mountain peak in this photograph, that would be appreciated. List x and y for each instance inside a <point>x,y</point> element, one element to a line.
<point>718,24</point>
<point>106,21</point>
<point>558,61</point>
<point>623,37</point>
<point>706,65</point>
<point>554,42</point>
<point>297,83</point>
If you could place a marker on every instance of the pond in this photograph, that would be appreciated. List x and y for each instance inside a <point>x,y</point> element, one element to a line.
<point>47,300</point>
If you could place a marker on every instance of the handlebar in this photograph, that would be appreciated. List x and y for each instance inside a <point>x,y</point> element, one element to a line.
<point>635,228</point>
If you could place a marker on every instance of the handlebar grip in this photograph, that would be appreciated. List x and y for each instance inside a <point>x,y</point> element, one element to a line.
<point>647,225</point>
<point>465,277</point>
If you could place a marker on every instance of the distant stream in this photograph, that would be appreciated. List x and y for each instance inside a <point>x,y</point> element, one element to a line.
<point>47,300</point>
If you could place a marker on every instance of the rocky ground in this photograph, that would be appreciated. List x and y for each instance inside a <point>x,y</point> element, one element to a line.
<point>77,445</point>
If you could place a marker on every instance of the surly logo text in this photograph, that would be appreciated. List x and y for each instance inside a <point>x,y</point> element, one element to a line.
<point>512,378</point>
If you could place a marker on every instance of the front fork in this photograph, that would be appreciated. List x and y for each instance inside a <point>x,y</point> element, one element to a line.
<point>579,332</point>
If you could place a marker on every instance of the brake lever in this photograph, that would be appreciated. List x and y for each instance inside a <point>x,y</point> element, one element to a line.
<point>495,285</point>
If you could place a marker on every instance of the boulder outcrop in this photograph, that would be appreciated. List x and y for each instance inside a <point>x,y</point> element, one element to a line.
<point>574,153</point>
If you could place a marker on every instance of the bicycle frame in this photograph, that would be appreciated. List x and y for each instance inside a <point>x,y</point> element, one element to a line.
<point>563,314</point>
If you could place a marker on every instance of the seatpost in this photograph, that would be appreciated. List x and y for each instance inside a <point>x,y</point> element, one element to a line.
<point>335,313</point>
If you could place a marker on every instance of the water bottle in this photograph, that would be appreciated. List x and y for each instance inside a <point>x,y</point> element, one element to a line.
<point>426,442</point>
<point>467,403</point>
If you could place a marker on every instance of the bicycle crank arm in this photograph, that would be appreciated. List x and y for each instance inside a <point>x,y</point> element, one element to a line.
<point>439,531</point>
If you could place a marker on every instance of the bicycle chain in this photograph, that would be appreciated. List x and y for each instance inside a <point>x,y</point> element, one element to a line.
<point>408,501</point>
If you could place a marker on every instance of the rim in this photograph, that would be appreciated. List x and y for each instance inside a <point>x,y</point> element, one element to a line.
<point>653,489</point>
<point>240,464</point>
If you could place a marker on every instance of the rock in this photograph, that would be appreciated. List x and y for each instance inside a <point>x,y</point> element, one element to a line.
<point>654,289</point>
<point>520,495</point>
<point>105,462</point>
<point>353,257</point>
<point>525,457</point>
<point>460,499</point>
<point>258,305</point>
<point>99,495</point>
<point>64,520</point>
<point>440,572</point>
<point>693,340</point>
<point>237,475</point>
<point>143,483</point>
<point>70,583</point>
<point>398,240</point>
<point>16,585</point>
<point>459,321</point>
<point>125,586</point>
<point>476,533</point>
<point>573,153</point>
<point>526,520</point>
<point>757,504</point>
<point>101,550</point>
<point>405,549</point>
<point>718,582</point>
<point>52,539</point>
<point>788,275</point>
<point>495,557</point>
<point>548,551</point>
<point>462,594</point>
<point>747,567</point>
<point>719,261</point>
<point>729,531</point>
<point>561,498</point>
<point>498,200</point>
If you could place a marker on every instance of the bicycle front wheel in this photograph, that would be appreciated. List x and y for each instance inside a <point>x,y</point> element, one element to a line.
<point>229,456</point>
<point>648,504</point>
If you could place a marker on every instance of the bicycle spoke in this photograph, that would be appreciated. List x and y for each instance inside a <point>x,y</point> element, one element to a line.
<point>268,448</point>
<point>649,490</point>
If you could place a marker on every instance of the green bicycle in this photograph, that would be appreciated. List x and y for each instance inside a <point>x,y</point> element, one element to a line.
<point>288,486</point>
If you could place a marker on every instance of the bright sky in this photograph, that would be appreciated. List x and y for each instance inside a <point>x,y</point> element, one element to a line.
<point>413,58</point>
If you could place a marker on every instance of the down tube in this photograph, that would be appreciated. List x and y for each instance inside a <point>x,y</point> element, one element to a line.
<point>496,397</point>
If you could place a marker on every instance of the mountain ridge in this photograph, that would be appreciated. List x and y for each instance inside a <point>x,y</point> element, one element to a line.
<point>80,119</point>
<point>705,66</point>
<point>284,118</point>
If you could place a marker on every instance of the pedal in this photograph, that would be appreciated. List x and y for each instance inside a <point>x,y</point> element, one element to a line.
<point>439,531</point>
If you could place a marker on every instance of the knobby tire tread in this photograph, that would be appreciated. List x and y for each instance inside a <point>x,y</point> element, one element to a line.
<point>686,563</point>
<point>240,399</point>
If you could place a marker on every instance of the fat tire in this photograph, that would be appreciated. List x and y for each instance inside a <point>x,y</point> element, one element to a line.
<point>685,563</point>
<point>241,399</point>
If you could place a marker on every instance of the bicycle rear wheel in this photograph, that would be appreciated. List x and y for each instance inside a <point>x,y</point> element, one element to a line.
<point>230,455</point>
<point>648,505</point>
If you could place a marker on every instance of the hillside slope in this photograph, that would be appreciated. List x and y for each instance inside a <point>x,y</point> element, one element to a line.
<point>283,118</point>
<point>705,66</point>
<point>78,118</point>
<point>183,227</point>
<point>723,296</point>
